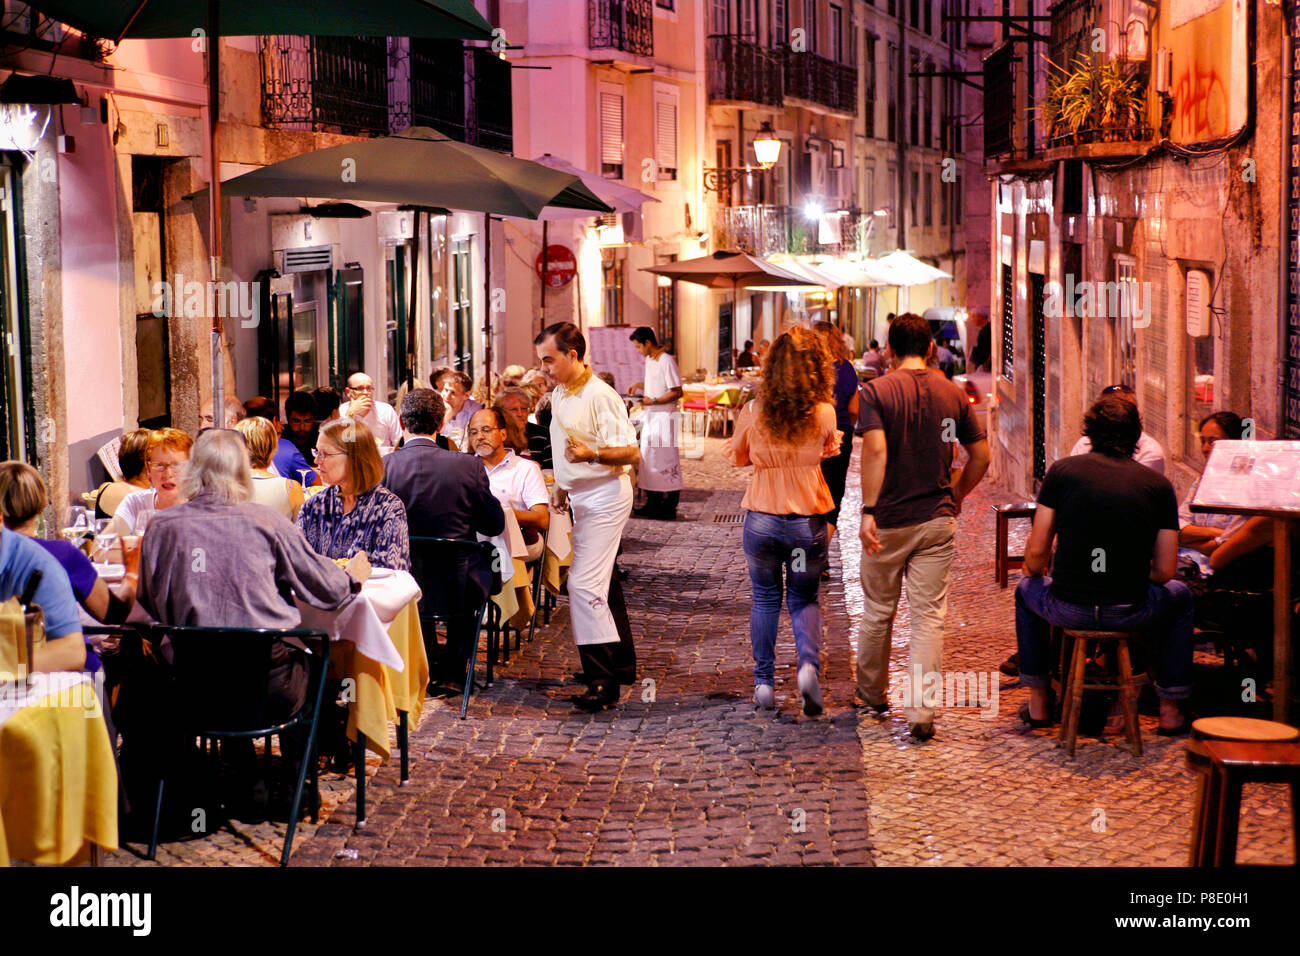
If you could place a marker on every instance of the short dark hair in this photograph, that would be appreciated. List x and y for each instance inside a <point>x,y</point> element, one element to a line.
<point>457,374</point>
<point>568,338</point>
<point>327,400</point>
<point>645,335</point>
<point>1230,422</point>
<point>1119,388</point>
<point>300,401</point>
<point>259,406</point>
<point>874,344</point>
<point>909,334</point>
<point>422,411</point>
<point>1113,425</point>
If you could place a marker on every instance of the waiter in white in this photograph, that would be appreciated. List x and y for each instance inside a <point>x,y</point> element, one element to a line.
<point>660,476</point>
<point>589,423</point>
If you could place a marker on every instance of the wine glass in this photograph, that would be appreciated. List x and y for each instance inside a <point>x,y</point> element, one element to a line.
<point>104,543</point>
<point>302,474</point>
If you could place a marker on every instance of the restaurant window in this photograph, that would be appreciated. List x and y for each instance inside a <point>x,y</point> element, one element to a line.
<point>17,416</point>
<point>666,133</point>
<point>836,27</point>
<point>152,348</point>
<point>780,21</point>
<point>611,133</point>
<point>1126,338</point>
<point>611,287</point>
<point>748,16</point>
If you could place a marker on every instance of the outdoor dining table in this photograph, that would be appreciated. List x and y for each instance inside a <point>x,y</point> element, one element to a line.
<point>376,641</point>
<point>58,780</point>
<point>515,599</point>
<point>559,550</point>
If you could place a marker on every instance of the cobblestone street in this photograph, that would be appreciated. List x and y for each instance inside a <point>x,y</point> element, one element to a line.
<point>686,771</point>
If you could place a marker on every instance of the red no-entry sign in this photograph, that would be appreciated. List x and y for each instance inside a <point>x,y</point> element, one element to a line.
<point>561,266</point>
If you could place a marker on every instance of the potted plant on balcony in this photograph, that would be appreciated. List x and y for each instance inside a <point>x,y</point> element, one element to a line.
<point>1071,100</point>
<point>1121,101</point>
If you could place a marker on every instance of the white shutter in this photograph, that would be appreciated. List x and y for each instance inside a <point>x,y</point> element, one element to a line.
<point>666,137</point>
<point>611,129</point>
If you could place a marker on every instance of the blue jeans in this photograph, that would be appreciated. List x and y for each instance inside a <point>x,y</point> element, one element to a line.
<point>796,544</point>
<point>1165,616</point>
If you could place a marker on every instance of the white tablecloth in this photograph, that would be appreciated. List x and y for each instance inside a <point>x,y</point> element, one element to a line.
<point>559,539</point>
<point>364,621</point>
<point>509,544</point>
<point>74,687</point>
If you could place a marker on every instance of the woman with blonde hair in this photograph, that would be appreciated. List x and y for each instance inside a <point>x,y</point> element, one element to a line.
<point>355,514</point>
<point>785,434</point>
<point>283,494</point>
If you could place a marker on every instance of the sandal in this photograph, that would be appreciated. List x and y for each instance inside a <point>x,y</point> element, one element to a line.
<point>1032,721</point>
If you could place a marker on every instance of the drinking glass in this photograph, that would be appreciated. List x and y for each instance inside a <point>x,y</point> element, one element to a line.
<point>104,542</point>
<point>142,521</point>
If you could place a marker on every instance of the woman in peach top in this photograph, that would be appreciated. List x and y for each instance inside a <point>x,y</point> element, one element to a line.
<point>785,433</point>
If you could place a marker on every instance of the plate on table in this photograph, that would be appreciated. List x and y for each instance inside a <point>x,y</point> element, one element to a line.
<point>378,574</point>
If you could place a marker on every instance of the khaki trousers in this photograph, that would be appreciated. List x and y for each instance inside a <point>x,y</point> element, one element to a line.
<point>923,554</point>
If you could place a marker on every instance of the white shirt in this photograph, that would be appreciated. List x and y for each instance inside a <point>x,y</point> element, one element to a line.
<point>661,377</point>
<point>517,482</point>
<point>595,415</point>
<point>460,421</point>
<point>1148,452</point>
<point>381,419</point>
<point>131,508</point>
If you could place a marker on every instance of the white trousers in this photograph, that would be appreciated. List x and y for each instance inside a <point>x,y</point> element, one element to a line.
<point>600,512</point>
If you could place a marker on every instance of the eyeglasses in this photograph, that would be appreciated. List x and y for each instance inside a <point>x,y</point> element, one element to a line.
<point>360,388</point>
<point>484,430</point>
<point>318,454</point>
<point>159,468</point>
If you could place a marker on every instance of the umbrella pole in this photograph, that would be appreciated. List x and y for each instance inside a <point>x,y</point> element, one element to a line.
<point>214,209</point>
<point>487,297</point>
<point>413,268</point>
<point>546,264</point>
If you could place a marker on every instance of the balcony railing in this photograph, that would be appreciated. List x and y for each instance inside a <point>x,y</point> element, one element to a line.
<point>626,25</point>
<point>438,85</point>
<point>819,80</point>
<point>492,101</point>
<point>758,230</point>
<point>742,70</point>
<point>334,84</point>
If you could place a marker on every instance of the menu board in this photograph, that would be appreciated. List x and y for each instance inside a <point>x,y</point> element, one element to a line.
<point>611,350</point>
<point>1255,475</point>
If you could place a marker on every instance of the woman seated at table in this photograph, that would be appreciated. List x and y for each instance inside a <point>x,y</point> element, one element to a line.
<point>241,561</point>
<point>281,494</point>
<point>169,449</point>
<point>355,513</point>
<point>135,477</point>
<point>22,499</point>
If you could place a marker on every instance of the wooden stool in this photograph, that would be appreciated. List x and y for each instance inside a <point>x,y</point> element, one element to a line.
<point>1077,683</point>
<point>1209,797</point>
<point>1004,563</point>
<point>1225,765</point>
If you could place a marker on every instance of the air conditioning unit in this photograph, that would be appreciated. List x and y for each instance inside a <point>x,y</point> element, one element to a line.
<point>314,259</point>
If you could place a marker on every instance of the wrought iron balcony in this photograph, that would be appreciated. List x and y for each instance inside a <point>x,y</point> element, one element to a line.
<point>492,101</point>
<point>741,70</point>
<point>333,84</point>
<point>758,230</point>
<point>626,25</point>
<point>818,80</point>
<point>437,73</point>
<point>1000,102</point>
<point>1071,30</point>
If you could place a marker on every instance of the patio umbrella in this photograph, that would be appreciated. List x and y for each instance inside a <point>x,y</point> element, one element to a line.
<point>903,269</point>
<point>423,168</point>
<point>120,20</point>
<point>621,199</point>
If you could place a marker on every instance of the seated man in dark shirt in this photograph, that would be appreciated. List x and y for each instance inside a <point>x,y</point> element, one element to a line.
<point>1116,528</point>
<point>447,495</point>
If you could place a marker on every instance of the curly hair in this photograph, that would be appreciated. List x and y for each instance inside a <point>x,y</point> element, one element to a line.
<point>797,377</point>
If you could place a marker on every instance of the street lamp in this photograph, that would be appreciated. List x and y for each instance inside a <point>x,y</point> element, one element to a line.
<point>766,146</point>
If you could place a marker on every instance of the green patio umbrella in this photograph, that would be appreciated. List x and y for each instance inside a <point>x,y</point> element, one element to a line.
<point>120,20</point>
<point>422,168</point>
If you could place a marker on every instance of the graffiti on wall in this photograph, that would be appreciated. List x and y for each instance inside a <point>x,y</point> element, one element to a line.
<point>1200,104</point>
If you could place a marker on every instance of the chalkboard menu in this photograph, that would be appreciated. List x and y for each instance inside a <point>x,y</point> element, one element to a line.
<point>724,337</point>
<point>610,349</point>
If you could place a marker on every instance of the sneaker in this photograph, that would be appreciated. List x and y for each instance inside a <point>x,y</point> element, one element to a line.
<point>922,732</point>
<point>764,696</point>
<point>880,710</point>
<point>1011,666</point>
<point>811,690</point>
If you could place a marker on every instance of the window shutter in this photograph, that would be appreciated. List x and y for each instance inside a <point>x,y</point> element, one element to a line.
<point>666,136</point>
<point>611,129</point>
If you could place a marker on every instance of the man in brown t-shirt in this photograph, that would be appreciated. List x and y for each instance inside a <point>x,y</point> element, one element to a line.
<point>911,421</point>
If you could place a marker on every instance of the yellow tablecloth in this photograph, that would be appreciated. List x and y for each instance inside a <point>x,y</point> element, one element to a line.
<point>58,781</point>
<point>555,570</point>
<point>380,691</point>
<point>516,598</point>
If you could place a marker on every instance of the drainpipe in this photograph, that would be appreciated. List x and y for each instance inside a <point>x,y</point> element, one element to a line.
<point>1283,290</point>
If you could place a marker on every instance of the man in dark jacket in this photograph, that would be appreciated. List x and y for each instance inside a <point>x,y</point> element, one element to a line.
<point>446,495</point>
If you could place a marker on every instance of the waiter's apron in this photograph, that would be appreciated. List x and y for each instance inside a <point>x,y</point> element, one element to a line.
<point>661,465</point>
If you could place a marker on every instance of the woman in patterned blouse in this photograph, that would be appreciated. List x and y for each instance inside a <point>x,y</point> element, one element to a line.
<point>356,513</point>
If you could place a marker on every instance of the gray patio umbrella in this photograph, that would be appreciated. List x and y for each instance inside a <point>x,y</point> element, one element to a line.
<point>119,20</point>
<point>423,168</point>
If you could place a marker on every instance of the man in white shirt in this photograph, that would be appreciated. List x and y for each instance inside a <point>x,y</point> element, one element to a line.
<point>660,475</point>
<point>454,386</point>
<point>380,417</point>
<point>516,482</point>
<point>1148,452</point>
<point>594,446</point>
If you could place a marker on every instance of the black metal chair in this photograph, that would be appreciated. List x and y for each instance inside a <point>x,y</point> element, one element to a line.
<point>219,686</point>
<point>441,567</point>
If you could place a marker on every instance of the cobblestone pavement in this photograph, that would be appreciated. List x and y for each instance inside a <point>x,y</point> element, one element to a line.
<point>685,771</point>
